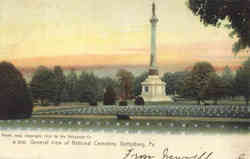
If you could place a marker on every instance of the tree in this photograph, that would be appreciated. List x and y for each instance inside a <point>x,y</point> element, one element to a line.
<point>236,12</point>
<point>215,88</point>
<point>125,79</point>
<point>65,97</point>
<point>15,97</point>
<point>137,83</point>
<point>43,85</point>
<point>109,96</point>
<point>227,74</point>
<point>174,82</point>
<point>243,80</point>
<point>71,86</point>
<point>89,88</point>
<point>196,81</point>
<point>59,84</point>
<point>170,79</point>
<point>107,81</point>
<point>228,79</point>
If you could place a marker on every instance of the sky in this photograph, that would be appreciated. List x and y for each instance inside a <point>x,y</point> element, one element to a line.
<point>34,32</point>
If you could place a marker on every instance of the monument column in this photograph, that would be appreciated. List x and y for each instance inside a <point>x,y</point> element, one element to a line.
<point>153,88</point>
<point>153,70</point>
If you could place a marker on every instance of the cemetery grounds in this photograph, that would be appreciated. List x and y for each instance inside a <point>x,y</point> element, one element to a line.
<point>181,117</point>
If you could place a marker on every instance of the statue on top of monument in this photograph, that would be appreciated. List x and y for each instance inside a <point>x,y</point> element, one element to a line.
<point>153,8</point>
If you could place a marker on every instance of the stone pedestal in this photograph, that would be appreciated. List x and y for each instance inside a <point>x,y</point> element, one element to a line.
<point>153,90</point>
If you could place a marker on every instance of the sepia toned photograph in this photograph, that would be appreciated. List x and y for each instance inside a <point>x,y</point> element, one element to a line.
<point>175,68</point>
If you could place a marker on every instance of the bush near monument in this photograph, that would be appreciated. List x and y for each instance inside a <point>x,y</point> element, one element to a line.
<point>139,101</point>
<point>15,99</point>
<point>123,103</point>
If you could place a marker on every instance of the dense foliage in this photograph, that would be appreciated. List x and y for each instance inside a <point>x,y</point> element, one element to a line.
<point>43,85</point>
<point>236,12</point>
<point>125,79</point>
<point>88,88</point>
<point>137,83</point>
<point>70,91</point>
<point>202,84</point>
<point>243,80</point>
<point>59,84</point>
<point>174,82</point>
<point>215,88</point>
<point>229,83</point>
<point>196,82</point>
<point>15,99</point>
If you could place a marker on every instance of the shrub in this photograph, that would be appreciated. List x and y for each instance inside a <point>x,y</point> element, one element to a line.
<point>15,98</point>
<point>123,103</point>
<point>139,101</point>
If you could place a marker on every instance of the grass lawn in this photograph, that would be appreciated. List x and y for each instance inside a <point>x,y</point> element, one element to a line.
<point>193,102</point>
<point>62,106</point>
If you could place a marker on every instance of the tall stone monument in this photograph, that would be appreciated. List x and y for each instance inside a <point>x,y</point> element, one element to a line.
<point>153,88</point>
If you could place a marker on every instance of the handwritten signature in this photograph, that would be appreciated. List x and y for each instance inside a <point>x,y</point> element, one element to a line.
<point>204,155</point>
<point>132,154</point>
<point>135,155</point>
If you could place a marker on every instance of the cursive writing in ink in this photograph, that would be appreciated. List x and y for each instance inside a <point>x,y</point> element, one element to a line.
<point>131,154</point>
<point>167,155</point>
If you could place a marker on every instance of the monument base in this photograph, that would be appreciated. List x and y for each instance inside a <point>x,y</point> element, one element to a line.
<point>157,99</point>
<point>153,90</point>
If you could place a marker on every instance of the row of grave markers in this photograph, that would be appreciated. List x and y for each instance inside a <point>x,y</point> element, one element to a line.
<point>185,111</point>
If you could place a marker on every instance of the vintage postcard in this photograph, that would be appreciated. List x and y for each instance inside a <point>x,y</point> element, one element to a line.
<point>124,79</point>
